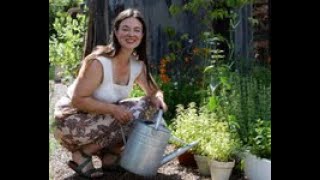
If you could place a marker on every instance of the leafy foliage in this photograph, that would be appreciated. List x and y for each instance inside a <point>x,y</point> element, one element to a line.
<point>252,97</point>
<point>65,48</point>
<point>235,95</point>
<point>260,138</point>
<point>212,10</point>
<point>56,6</point>
<point>178,93</point>
<point>180,75</point>
<point>215,136</point>
<point>137,91</point>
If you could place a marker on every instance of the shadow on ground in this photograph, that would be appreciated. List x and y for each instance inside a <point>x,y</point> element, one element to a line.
<point>131,176</point>
<point>127,176</point>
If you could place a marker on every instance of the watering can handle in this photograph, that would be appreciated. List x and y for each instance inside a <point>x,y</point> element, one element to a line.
<point>159,118</point>
<point>123,136</point>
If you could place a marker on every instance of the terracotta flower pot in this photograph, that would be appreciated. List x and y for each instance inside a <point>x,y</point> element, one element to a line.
<point>187,159</point>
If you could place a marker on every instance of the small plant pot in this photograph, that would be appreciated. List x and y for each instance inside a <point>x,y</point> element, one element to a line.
<point>221,170</point>
<point>187,160</point>
<point>203,164</point>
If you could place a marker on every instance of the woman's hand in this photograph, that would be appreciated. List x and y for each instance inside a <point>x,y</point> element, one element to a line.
<point>121,114</point>
<point>159,103</point>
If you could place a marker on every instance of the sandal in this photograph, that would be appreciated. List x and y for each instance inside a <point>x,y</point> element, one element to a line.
<point>78,167</point>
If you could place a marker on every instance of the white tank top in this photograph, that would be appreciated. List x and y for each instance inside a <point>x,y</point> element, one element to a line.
<point>108,91</point>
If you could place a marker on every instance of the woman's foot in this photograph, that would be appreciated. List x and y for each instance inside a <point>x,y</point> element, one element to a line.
<point>82,164</point>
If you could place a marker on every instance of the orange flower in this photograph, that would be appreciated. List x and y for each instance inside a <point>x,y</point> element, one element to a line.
<point>196,51</point>
<point>163,76</point>
<point>162,70</point>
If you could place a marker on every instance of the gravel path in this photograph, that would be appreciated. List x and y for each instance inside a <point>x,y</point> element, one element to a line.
<point>58,170</point>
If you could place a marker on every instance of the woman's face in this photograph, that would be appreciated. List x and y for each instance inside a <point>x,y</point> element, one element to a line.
<point>130,33</point>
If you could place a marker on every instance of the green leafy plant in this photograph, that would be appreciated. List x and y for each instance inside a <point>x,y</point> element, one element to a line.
<point>65,48</point>
<point>175,93</point>
<point>223,147</point>
<point>56,6</point>
<point>250,97</point>
<point>215,137</point>
<point>183,125</point>
<point>196,59</point>
<point>260,138</point>
<point>137,91</point>
<point>211,10</point>
<point>180,75</point>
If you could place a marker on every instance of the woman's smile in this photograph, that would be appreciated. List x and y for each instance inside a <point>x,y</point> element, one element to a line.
<point>130,41</point>
<point>130,33</point>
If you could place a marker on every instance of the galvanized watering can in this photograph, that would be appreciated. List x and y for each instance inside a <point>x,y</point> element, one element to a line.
<point>144,150</point>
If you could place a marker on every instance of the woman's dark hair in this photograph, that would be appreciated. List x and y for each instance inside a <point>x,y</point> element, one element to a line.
<point>113,48</point>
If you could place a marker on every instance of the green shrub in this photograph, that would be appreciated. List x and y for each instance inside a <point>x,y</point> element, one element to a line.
<point>214,135</point>
<point>250,98</point>
<point>66,48</point>
<point>56,6</point>
<point>178,93</point>
<point>260,138</point>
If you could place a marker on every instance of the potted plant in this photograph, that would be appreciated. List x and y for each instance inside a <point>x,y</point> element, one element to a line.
<point>182,127</point>
<point>223,148</point>
<point>216,139</point>
<point>193,124</point>
<point>205,126</point>
<point>257,160</point>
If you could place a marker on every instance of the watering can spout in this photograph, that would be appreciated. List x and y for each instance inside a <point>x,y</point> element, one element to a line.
<point>178,152</point>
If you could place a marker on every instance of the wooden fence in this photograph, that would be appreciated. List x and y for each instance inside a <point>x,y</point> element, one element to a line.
<point>157,17</point>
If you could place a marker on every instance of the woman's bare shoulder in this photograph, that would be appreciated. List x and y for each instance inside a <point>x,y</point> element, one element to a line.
<point>91,68</point>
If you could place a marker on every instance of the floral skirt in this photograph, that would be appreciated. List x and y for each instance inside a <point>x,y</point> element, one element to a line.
<point>75,128</point>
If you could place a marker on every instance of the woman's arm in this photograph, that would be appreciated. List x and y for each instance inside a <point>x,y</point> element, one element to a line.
<point>89,79</point>
<point>151,89</point>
